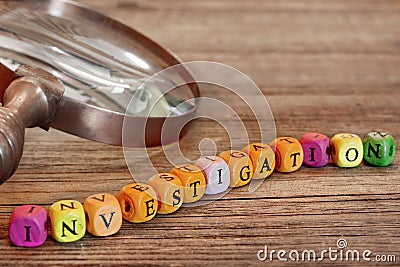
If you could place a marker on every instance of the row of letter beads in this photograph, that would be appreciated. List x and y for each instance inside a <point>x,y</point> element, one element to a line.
<point>101,215</point>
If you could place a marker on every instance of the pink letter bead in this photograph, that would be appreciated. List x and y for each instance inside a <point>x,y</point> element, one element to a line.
<point>316,149</point>
<point>28,226</point>
<point>216,172</point>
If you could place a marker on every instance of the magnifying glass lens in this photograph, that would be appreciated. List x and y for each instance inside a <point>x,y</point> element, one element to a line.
<point>100,61</point>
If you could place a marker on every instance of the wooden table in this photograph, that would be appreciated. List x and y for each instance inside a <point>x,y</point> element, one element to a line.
<point>325,66</point>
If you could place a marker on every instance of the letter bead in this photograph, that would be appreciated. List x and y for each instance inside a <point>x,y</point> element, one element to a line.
<point>103,214</point>
<point>346,150</point>
<point>28,226</point>
<point>240,166</point>
<point>67,218</point>
<point>169,192</point>
<point>288,154</point>
<point>216,172</point>
<point>315,149</point>
<point>193,181</point>
<point>263,158</point>
<point>138,202</point>
<point>379,149</point>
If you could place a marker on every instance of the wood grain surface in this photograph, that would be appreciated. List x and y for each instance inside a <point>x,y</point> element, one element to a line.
<point>325,66</point>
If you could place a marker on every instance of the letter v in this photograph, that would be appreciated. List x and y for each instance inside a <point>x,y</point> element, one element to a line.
<point>100,199</point>
<point>107,223</point>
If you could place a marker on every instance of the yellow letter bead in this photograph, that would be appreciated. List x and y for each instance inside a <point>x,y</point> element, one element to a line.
<point>138,202</point>
<point>288,154</point>
<point>193,181</point>
<point>103,214</point>
<point>169,192</point>
<point>240,166</point>
<point>67,219</point>
<point>346,150</point>
<point>263,158</point>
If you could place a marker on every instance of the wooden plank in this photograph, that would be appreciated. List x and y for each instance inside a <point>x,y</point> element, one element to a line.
<point>266,26</point>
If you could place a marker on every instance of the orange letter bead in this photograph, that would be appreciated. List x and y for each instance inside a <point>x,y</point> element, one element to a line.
<point>193,181</point>
<point>67,218</point>
<point>138,202</point>
<point>263,158</point>
<point>346,150</point>
<point>169,192</point>
<point>103,214</point>
<point>288,154</point>
<point>240,166</point>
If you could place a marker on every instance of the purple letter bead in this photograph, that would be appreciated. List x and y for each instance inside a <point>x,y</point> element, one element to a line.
<point>316,149</point>
<point>28,226</point>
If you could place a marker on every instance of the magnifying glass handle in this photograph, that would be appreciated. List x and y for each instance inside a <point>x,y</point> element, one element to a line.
<point>30,100</point>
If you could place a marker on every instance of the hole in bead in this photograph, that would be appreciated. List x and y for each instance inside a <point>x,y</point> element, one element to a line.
<point>87,218</point>
<point>127,206</point>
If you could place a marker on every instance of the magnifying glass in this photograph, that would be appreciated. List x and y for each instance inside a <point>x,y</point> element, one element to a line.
<point>65,66</point>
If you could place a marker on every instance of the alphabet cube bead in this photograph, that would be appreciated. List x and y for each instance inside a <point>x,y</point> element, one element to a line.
<point>138,202</point>
<point>216,172</point>
<point>240,167</point>
<point>67,219</point>
<point>103,214</point>
<point>28,226</point>
<point>315,149</point>
<point>193,182</point>
<point>346,150</point>
<point>263,158</point>
<point>379,149</point>
<point>169,191</point>
<point>288,154</point>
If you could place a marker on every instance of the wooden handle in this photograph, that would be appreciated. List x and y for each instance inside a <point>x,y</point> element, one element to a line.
<point>29,101</point>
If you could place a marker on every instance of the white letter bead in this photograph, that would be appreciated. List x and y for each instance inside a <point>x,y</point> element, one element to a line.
<point>217,174</point>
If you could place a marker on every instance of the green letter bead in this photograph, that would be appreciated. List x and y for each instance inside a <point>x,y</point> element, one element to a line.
<point>379,149</point>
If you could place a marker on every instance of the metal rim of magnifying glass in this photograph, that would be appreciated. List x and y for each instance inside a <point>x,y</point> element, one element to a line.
<point>102,125</point>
